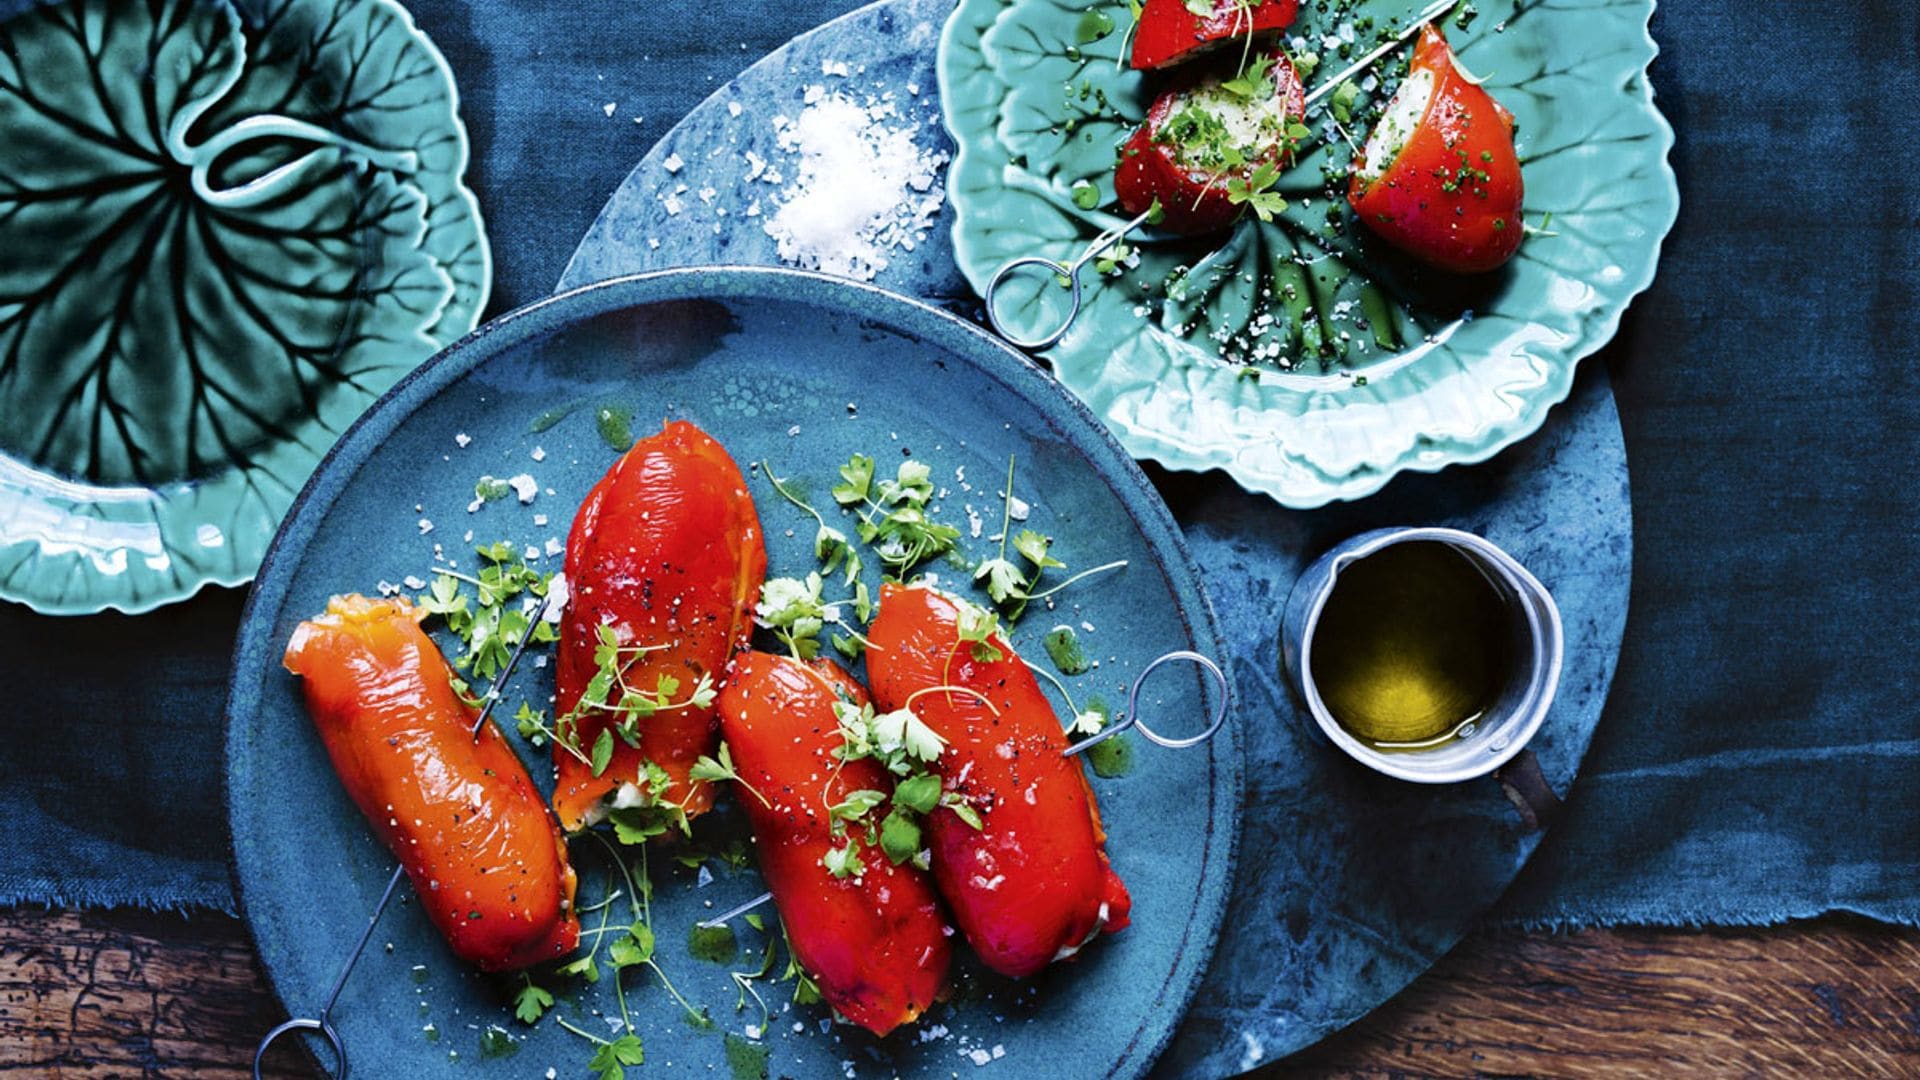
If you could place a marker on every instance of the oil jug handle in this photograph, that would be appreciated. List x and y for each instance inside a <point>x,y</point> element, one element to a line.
<point>1527,788</point>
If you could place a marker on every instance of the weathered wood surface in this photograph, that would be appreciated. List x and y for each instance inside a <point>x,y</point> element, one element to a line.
<point>133,994</point>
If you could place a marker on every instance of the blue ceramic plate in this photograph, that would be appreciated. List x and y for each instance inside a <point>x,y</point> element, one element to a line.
<point>227,228</point>
<point>799,371</point>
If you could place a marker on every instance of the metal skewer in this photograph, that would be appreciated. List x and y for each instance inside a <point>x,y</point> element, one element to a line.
<point>1130,720</point>
<point>324,1022</point>
<point>1070,272</point>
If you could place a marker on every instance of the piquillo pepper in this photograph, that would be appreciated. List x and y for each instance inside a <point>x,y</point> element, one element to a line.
<point>874,941</point>
<point>1171,31</point>
<point>1203,134</point>
<point>1439,177</point>
<point>460,813</point>
<point>666,557</point>
<point>1033,884</point>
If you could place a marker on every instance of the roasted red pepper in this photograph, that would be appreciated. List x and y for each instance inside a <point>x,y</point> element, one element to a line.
<point>1170,31</point>
<point>666,553</point>
<point>875,941</point>
<point>1033,885</point>
<point>1445,187</point>
<point>460,813</point>
<point>1203,136</point>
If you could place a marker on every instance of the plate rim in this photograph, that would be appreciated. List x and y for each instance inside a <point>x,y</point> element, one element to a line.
<point>548,314</point>
<point>1359,485</point>
<point>169,589</point>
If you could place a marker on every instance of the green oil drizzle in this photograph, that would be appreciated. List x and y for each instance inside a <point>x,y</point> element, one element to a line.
<point>1093,26</point>
<point>747,1059</point>
<point>432,1033</point>
<point>419,974</point>
<point>1114,757</point>
<point>496,1043</point>
<point>1063,647</point>
<point>714,944</point>
<point>616,427</point>
<point>1111,759</point>
<point>549,418</point>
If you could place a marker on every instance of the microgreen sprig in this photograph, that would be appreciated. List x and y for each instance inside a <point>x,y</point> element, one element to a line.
<point>793,609</point>
<point>492,619</point>
<point>895,519</point>
<point>830,545</point>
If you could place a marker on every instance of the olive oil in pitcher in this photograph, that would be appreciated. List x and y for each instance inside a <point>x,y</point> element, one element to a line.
<point>1413,647</point>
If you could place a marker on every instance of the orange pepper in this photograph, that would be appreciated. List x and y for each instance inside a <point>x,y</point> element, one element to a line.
<point>460,813</point>
<point>875,943</point>
<point>667,551</point>
<point>1034,885</point>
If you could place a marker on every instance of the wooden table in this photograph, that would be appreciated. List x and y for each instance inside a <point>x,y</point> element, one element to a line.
<point>126,993</point>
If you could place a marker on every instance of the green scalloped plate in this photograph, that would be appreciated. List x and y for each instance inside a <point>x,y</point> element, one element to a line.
<point>228,227</point>
<point>1363,365</point>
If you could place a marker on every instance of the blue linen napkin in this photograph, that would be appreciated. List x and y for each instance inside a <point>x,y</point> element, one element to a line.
<point>1760,759</point>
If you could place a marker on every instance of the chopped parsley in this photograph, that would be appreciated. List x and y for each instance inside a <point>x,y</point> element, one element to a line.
<point>492,618</point>
<point>893,513</point>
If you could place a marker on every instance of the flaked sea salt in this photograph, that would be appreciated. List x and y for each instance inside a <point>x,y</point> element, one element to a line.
<point>862,186</point>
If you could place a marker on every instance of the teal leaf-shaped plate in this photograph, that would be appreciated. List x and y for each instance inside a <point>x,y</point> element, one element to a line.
<point>1300,355</point>
<point>228,227</point>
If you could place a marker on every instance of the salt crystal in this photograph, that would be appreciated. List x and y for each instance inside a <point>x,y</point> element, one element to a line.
<point>610,108</point>
<point>414,582</point>
<point>524,486</point>
<point>673,164</point>
<point>462,440</point>
<point>733,108</point>
<point>426,526</point>
<point>979,1056</point>
<point>538,454</point>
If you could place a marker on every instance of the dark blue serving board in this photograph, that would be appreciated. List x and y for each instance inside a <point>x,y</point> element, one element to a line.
<point>1350,885</point>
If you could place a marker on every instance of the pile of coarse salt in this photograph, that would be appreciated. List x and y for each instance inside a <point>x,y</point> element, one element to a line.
<point>862,187</point>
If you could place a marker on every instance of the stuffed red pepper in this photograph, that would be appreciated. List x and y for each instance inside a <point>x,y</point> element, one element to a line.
<point>1032,884</point>
<point>663,564</point>
<point>460,813</point>
<point>1171,31</point>
<point>868,931</point>
<point>1212,146</point>
<point>1439,177</point>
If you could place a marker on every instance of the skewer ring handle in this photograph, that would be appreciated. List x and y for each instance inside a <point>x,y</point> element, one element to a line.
<point>323,1026</point>
<point>1132,719</point>
<point>1072,276</point>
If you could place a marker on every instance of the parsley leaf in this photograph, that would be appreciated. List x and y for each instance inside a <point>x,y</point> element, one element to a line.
<point>918,793</point>
<point>977,626</point>
<point>602,751</point>
<point>856,480</point>
<point>531,1003</point>
<point>608,1057</point>
<point>844,862</point>
<point>707,768</point>
<point>1005,581</point>
<point>1341,104</point>
<point>900,836</point>
<point>793,610</point>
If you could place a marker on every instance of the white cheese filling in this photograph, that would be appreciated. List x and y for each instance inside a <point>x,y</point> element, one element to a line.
<point>1397,124</point>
